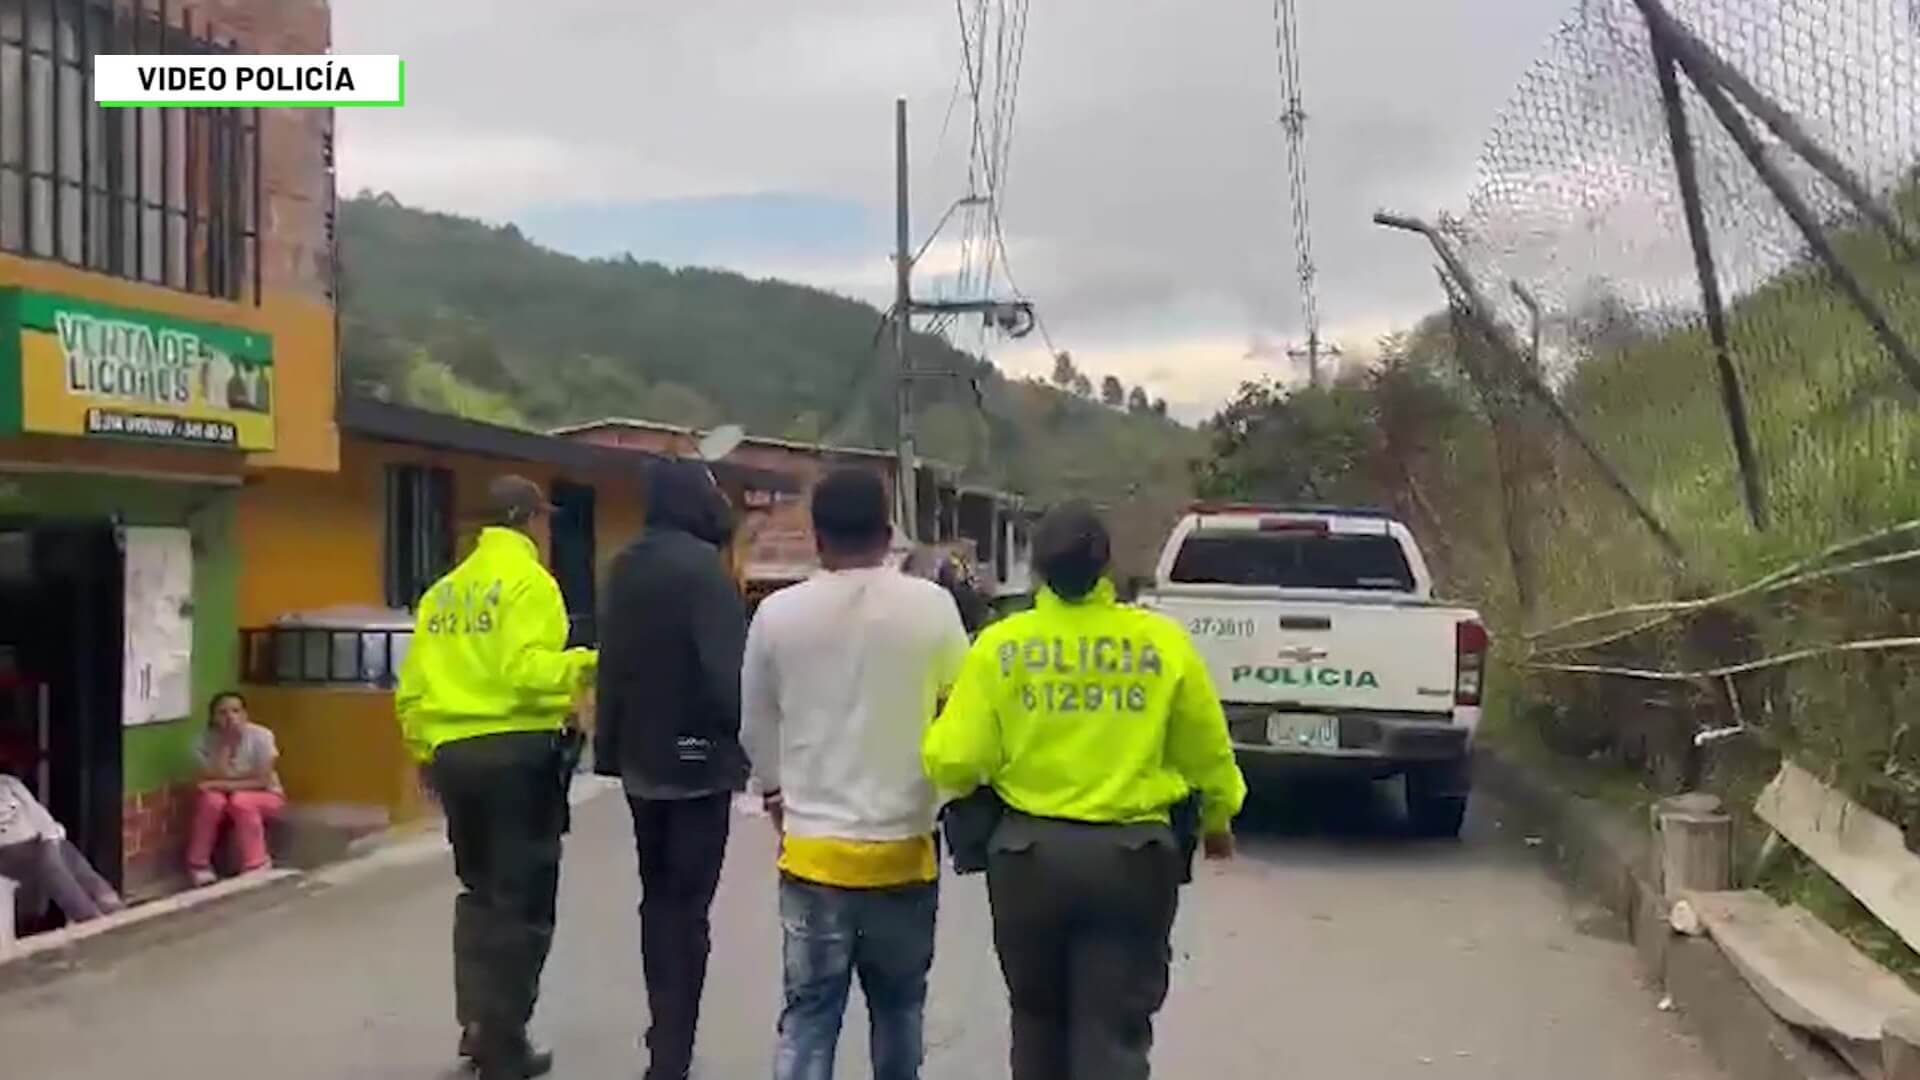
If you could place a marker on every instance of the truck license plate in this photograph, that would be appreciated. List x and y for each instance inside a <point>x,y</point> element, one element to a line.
<point>1305,731</point>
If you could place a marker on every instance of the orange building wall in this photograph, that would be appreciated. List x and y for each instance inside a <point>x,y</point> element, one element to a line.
<point>339,746</point>
<point>316,541</point>
<point>619,517</point>
<point>313,541</point>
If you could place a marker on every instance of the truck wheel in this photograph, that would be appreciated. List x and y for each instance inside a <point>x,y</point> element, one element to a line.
<point>1436,802</point>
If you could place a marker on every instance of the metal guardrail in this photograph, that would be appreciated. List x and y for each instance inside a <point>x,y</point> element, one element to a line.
<point>324,656</point>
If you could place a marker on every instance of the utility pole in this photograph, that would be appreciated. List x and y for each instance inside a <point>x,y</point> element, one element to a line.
<point>907,482</point>
<point>1312,353</point>
<point>1013,317</point>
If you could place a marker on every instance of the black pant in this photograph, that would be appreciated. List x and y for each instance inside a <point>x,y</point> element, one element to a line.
<point>1082,920</point>
<point>681,844</point>
<point>506,805</point>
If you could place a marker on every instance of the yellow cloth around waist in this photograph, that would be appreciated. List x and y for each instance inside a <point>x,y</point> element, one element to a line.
<point>859,864</point>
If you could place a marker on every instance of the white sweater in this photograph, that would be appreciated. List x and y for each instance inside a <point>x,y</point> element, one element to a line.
<point>842,675</point>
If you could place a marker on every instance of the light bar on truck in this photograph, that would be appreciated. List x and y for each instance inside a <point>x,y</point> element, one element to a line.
<point>1315,526</point>
<point>1208,506</point>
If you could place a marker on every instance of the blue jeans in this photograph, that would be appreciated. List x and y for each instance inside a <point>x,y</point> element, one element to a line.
<point>885,936</point>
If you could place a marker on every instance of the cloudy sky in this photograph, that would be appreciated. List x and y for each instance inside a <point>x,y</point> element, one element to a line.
<point>1146,203</point>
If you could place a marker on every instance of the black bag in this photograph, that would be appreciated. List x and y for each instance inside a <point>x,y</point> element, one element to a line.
<point>569,745</point>
<point>1185,818</point>
<point>968,824</point>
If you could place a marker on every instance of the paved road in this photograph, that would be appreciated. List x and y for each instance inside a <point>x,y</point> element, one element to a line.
<point>1332,949</point>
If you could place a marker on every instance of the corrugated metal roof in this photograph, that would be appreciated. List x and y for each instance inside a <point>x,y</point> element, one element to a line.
<point>405,424</point>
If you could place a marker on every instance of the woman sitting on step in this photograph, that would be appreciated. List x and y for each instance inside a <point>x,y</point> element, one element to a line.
<point>238,787</point>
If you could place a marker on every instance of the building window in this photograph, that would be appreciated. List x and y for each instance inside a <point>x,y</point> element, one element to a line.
<point>165,196</point>
<point>419,534</point>
<point>323,656</point>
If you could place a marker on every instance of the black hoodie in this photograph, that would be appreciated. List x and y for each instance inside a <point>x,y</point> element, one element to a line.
<point>670,647</point>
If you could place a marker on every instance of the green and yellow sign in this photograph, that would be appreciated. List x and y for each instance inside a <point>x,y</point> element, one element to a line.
<point>76,368</point>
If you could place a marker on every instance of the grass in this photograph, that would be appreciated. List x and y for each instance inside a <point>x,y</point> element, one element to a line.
<point>1601,781</point>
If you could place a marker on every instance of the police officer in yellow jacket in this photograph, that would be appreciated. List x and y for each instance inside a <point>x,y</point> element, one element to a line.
<point>1090,720</point>
<point>485,696</point>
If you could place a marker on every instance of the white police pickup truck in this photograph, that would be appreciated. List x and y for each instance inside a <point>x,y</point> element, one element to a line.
<point>1323,638</point>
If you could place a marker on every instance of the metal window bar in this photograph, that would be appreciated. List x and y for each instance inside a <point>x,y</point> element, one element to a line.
<point>57,167</point>
<point>331,656</point>
<point>78,184</point>
<point>420,538</point>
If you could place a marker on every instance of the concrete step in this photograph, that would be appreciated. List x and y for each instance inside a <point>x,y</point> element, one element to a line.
<point>1807,973</point>
<point>310,835</point>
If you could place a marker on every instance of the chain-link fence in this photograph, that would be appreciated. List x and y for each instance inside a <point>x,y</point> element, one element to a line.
<point>1685,311</point>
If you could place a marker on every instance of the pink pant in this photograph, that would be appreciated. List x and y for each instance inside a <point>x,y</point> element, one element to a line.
<point>248,810</point>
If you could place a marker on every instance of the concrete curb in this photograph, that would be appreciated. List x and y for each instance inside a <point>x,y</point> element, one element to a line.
<point>1601,853</point>
<point>35,961</point>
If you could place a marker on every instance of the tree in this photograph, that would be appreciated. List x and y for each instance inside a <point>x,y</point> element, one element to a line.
<point>472,353</point>
<point>1064,373</point>
<point>1082,386</point>
<point>952,434</point>
<point>433,385</point>
<point>1112,393</point>
<point>376,364</point>
<point>1160,407</point>
<point>1316,444</point>
<point>1137,402</point>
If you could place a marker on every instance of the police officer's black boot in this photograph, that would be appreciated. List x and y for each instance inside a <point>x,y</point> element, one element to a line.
<point>511,1059</point>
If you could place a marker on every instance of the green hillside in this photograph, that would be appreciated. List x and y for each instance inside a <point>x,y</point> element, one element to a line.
<point>460,316</point>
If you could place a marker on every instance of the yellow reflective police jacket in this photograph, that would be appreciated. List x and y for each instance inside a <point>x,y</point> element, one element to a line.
<point>489,651</point>
<point>1088,711</point>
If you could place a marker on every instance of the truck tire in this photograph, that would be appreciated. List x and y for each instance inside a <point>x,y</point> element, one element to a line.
<point>1436,802</point>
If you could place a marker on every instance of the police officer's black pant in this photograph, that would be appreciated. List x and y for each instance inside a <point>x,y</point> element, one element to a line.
<point>506,806</point>
<point>1082,920</point>
<point>681,844</point>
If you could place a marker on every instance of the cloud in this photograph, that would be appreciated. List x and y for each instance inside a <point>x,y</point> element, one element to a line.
<point>1146,204</point>
<point>437,168</point>
<point>716,229</point>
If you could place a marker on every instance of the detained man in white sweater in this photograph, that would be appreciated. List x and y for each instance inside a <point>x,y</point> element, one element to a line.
<point>842,675</point>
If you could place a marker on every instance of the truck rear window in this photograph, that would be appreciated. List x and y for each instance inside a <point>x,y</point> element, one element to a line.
<point>1293,561</point>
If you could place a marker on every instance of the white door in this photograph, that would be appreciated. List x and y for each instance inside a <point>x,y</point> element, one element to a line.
<point>157,683</point>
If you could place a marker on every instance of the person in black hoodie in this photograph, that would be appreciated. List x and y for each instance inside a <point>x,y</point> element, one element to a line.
<point>959,584</point>
<point>669,727</point>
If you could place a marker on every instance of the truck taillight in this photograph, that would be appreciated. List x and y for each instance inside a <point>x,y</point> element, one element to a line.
<point>1470,645</point>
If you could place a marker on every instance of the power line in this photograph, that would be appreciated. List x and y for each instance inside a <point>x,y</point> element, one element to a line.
<point>1006,267</point>
<point>993,39</point>
<point>993,46</point>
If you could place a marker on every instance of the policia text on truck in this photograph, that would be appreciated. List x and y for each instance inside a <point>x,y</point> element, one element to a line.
<point>485,697</point>
<point>1091,722</point>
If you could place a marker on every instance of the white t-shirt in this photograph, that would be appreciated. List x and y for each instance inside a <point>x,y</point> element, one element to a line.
<point>22,818</point>
<point>842,675</point>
